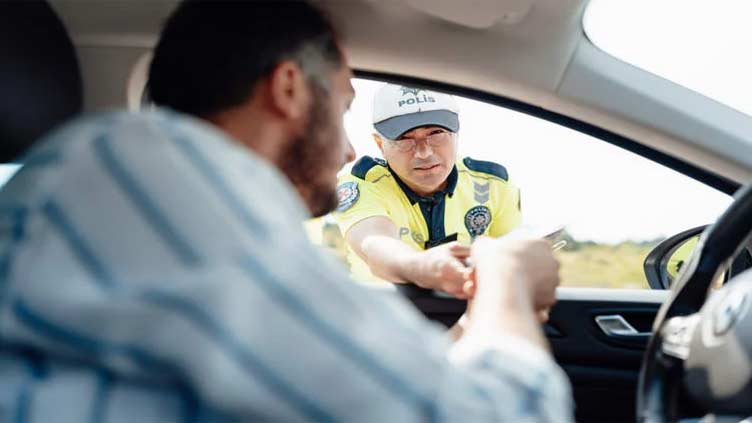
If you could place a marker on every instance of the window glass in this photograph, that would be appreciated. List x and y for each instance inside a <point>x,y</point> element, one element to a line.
<point>703,46</point>
<point>615,205</point>
<point>7,170</point>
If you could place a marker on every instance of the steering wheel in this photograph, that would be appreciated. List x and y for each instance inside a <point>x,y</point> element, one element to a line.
<point>699,358</point>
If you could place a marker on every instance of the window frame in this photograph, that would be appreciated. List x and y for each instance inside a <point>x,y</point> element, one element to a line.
<point>694,172</point>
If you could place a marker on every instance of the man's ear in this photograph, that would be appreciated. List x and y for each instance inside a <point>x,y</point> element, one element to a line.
<point>379,142</point>
<point>289,93</point>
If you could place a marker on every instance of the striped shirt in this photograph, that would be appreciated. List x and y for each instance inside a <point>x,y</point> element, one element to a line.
<point>153,270</point>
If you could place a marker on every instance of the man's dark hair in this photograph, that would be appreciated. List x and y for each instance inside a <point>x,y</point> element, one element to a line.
<point>211,54</point>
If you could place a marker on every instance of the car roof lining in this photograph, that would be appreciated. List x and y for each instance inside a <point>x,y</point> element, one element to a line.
<point>533,53</point>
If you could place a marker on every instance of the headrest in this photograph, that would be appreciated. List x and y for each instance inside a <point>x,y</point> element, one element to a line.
<point>40,81</point>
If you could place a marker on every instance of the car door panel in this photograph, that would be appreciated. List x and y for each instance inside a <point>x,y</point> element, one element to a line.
<point>603,369</point>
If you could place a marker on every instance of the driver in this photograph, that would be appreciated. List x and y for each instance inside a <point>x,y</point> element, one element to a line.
<point>412,216</point>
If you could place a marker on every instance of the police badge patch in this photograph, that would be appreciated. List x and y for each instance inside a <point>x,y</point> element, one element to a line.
<point>477,220</point>
<point>347,194</point>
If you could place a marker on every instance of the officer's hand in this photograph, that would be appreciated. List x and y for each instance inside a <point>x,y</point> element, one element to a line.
<point>530,260</point>
<point>442,268</point>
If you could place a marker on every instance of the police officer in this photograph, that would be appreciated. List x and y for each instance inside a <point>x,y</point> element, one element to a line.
<point>412,216</point>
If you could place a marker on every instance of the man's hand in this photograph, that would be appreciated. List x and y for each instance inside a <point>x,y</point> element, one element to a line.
<point>532,257</point>
<point>442,268</point>
<point>528,259</point>
<point>514,281</point>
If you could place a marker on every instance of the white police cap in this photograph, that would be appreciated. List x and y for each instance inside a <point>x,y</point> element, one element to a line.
<point>398,109</point>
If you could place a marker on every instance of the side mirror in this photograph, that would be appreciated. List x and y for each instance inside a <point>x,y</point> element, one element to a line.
<point>664,263</point>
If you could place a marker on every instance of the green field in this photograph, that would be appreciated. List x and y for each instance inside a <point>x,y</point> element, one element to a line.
<point>605,265</point>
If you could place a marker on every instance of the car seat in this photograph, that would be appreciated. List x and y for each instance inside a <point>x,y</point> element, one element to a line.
<point>40,79</point>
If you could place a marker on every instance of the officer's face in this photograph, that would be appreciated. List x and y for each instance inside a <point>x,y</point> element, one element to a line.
<point>426,167</point>
<point>320,152</point>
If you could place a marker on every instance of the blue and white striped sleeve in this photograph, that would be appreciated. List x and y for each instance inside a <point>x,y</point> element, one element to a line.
<point>189,267</point>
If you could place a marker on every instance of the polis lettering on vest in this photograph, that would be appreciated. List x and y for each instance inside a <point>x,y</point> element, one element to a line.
<point>416,100</point>
<point>416,236</point>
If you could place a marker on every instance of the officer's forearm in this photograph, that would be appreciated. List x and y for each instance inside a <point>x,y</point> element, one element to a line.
<point>390,258</point>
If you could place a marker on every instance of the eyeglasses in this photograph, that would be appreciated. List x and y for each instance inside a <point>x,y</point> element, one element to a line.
<point>436,139</point>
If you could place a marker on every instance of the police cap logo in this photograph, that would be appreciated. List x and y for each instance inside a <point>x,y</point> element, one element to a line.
<point>408,90</point>
<point>477,220</point>
<point>347,194</point>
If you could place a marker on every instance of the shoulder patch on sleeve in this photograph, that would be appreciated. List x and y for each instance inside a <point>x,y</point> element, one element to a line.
<point>364,164</point>
<point>490,168</point>
<point>347,195</point>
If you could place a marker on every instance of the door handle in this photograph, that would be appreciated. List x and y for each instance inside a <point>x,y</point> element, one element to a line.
<point>615,325</point>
